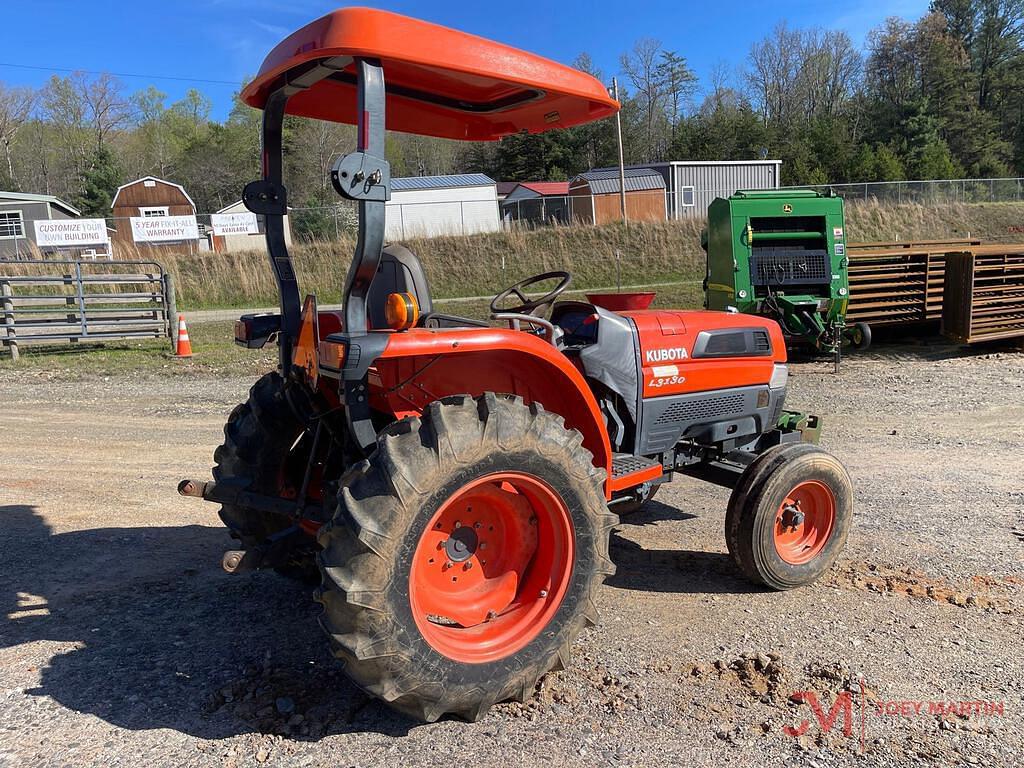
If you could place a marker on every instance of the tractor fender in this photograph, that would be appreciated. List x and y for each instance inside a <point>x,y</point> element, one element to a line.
<point>420,366</point>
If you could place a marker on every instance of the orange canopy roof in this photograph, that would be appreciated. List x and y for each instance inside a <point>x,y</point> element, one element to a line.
<point>439,82</point>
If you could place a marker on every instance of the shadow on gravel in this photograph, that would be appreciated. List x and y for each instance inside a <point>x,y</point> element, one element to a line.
<point>653,512</point>
<point>681,571</point>
<point>152,634</point>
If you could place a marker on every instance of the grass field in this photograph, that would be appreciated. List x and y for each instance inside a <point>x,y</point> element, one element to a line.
<point>479,265</point>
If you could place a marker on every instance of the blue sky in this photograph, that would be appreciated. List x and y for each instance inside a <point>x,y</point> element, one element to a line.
<point>225,40</point>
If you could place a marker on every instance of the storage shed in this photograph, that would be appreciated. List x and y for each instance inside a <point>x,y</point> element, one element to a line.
<point>153,198</point>
<point>427,206</point>
<point>594,196</point>
<point>18,214</point>
<point>538,202</point>
<point>693,184</point>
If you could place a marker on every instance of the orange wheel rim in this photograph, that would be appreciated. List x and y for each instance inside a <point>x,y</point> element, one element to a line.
<point>804,522</point>
<point>491,567</point>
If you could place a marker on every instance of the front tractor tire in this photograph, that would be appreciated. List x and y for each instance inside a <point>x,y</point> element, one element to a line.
<point>789,516</point>
<point>465,556</point>
<point>262,446</point>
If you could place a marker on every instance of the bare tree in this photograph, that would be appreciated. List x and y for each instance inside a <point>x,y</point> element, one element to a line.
<point>585,63</point>
<point>16,105</point>
<point>829,69</point>
<point>64,109</point>
<point>892,65</point>
<point>679,84</point>
<point>719,86</point>
<point>774,66</point>
<point>641,66</point>
<point>107,109</point>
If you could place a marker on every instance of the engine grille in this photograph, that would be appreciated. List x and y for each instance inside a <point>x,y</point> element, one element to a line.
<point>703,409</point>
<point>788,266</point>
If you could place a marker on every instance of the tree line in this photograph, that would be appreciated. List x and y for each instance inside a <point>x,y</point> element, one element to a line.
<point>939,97</point>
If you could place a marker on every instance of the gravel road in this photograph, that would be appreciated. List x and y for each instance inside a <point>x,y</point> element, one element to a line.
<point>123,642</point>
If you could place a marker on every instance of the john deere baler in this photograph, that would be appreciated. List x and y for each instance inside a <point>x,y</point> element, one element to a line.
<point>781,254</point>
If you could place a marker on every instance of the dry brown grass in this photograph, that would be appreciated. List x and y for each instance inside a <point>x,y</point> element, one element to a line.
<point>480,264</point>
<point>473,265</point>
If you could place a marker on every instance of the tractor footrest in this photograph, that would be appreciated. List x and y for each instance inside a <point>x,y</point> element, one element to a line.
<point>629,470</point>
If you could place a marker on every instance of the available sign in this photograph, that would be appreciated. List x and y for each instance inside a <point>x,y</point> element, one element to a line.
<point>162,229</point>
<point>243,223</point>
<point>70,233</point>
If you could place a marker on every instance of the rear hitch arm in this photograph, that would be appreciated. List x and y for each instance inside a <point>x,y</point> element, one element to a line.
<point>235,493</point>
<point>275,549</point>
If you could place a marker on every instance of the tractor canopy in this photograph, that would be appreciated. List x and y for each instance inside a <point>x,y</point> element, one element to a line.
<point>440,82</point>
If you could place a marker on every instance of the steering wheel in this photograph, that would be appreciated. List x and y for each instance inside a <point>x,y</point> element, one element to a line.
<point>528,305</point>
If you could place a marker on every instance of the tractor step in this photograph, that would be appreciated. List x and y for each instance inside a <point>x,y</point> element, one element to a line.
<point>629,470</point>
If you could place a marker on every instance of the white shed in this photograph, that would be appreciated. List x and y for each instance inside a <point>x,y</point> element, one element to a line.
<point>427,206</point>
<point>242,238</point>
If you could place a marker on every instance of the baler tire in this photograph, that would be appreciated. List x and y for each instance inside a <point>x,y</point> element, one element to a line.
<point>751,519</point>
<point>861,337</point>
<point>258,437</point>
<point>388,505</point>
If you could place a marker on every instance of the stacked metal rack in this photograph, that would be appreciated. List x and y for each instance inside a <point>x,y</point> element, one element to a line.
<point>984,288</point>
<point>893,283</point>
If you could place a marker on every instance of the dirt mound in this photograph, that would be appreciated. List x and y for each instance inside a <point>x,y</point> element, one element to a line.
<point>984,592</point>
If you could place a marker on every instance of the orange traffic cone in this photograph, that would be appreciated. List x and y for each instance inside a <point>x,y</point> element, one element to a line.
<point>184,347</point>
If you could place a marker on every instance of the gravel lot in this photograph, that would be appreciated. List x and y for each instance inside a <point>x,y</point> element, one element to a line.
<point>123,642</point>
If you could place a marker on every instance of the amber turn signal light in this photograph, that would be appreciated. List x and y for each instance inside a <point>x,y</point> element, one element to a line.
<point>401,311</point>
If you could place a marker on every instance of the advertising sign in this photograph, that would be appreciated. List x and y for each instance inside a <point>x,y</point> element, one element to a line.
<point>70,233</point>
<point>242,223</point>
<point>163,229</point>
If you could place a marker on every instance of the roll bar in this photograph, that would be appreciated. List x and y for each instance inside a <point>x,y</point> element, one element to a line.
<point>363,176</point>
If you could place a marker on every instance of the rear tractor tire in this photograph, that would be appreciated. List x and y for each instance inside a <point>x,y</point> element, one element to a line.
<point>789,516</point>
<point>465,556</point>
<point>260,445</point>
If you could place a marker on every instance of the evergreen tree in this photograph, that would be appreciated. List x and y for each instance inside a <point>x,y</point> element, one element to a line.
<point>99,183</point>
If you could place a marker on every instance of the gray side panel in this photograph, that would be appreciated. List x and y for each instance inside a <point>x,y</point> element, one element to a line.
<point>613,359</point>
<point>708,417</point>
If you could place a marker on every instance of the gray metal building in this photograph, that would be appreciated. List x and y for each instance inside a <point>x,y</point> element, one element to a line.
<point>691,185</point>
<point>18,211</point>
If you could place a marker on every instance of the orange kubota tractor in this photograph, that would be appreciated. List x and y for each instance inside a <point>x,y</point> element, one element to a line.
<point>452,484</point>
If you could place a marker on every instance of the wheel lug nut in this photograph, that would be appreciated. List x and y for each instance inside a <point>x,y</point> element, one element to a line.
<point>468,565</point>
<point>492,615</point>
<point>448,564</point>
<point>543,593</point>
<point>483,545</point>
<point>477,525</point>
<point>458,524</point>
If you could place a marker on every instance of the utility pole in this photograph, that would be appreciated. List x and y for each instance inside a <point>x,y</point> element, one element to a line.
<point>622,166</point>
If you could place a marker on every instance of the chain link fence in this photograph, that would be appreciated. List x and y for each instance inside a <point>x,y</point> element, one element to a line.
<point>934,192</point>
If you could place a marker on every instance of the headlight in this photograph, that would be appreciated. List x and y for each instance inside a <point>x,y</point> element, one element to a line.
<point>779,377</point>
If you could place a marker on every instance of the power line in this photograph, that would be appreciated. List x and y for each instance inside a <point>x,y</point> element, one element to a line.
<point>124,74</point>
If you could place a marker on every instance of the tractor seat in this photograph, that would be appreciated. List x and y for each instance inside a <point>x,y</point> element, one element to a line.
<point>399,271</point>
